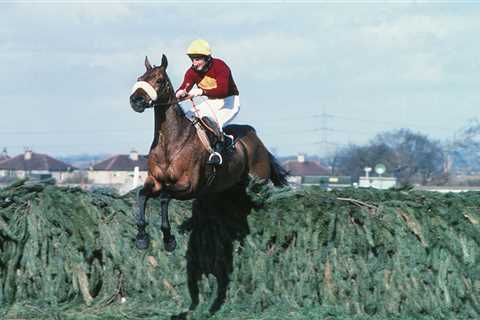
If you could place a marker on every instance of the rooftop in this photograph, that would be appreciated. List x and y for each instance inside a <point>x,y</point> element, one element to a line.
<point>302,167</point>
<point>34,161</point>
<point>123,162</point>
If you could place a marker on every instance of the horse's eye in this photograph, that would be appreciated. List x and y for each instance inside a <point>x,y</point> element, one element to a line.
<point>159,81</point>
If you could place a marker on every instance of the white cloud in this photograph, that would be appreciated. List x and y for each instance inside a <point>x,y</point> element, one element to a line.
<point>269,55</point>
<point>76,12</point>
<point>405,32</point>
<point>412,30</point>
<point>424,68</point>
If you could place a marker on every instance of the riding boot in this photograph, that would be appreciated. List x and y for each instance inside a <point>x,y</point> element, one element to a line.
<point>213,125</point>
<point>229,146</point>
<point>215,157</point>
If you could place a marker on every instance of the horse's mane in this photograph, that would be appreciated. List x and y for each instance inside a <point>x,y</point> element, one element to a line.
<point>176,105</point>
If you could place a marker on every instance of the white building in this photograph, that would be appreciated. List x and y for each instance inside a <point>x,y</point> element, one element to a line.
<point>377,182</point>
<point>31,164</point>
<point>123,172</point>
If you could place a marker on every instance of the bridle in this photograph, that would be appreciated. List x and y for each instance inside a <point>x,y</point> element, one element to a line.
<point>166,89</point>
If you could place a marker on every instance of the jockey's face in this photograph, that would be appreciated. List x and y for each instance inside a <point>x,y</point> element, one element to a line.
<point>198,62</point>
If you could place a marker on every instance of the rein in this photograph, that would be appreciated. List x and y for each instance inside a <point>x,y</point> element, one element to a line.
<point>154,104</point>
<point>194,109</point>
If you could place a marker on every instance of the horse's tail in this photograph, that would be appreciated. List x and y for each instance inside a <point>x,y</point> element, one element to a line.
<point>278,173</point>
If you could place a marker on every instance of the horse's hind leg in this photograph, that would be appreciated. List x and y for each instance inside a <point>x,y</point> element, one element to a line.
<point>168,239</point>
<point>142,238</point>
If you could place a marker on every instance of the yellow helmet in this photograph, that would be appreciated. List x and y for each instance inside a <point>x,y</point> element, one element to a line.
<point>199,46</point>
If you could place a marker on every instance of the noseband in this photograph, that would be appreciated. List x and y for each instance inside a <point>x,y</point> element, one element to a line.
<point>153,94</point>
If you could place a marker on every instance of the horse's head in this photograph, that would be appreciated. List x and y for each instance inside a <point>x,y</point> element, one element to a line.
<point>152,88</point>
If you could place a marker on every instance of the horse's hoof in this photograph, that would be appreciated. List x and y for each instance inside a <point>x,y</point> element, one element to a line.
<point>170,243</point>
<point>142,242</point>
<point>182,316</point>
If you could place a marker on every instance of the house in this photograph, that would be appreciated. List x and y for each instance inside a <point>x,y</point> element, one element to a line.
<point>35,165</point>
<point>123,171</point>
<point>4,156</point>
<point>303,171</point>
<point>307,172</point>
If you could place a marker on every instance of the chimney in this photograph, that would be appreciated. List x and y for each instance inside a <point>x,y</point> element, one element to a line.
<point>133,155</point>
<point>4,153</point>
<point>28,154</point>
<point>301,157</point>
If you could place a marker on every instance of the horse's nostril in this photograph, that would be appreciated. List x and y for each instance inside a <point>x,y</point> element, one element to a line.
<point>136,98</point>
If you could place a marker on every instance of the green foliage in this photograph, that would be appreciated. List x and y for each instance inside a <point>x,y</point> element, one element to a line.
<point>312,254</point>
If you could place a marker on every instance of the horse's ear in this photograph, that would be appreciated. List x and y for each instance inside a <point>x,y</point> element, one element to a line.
<point>164,62</point>
<point>147,64</point>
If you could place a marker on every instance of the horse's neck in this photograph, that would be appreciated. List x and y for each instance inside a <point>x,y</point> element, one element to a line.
<point>172,128</point>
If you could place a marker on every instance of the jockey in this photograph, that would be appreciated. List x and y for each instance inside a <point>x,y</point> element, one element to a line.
<point>213,79</point>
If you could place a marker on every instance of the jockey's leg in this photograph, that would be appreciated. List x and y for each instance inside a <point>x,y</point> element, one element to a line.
<point>207,112</point>
<point>226,114</point>
<point>221,112</point>
<point>208,121</point>
<point>215,157</point>
<point>228,111</point>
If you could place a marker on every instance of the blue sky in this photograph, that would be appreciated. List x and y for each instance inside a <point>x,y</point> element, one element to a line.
<point>312,76</point>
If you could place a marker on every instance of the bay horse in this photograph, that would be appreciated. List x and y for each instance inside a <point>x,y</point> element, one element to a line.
<point>177,169</point>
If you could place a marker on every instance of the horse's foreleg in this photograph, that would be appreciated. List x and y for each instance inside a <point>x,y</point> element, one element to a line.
<point>142,238</point>
<point>222,281</point>
<point>168,238</point>
<point>192,281</point>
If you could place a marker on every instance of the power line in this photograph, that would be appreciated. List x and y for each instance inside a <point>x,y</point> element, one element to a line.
<point>364,120</point>
<point>317,130</point>
<point>387,122</point>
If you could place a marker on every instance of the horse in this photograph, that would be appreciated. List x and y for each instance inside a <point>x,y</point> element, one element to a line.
<point>177,169</point>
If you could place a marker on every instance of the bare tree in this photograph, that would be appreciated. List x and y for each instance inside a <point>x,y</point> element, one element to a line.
<point>419,158</point>
<point>352,159</point>
<point>464,149</point>
<point>411,157</point>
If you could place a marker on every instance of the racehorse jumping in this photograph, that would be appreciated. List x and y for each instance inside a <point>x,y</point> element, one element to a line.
<point>177,168</point>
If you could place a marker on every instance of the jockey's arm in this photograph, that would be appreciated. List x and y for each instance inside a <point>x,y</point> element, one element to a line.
<point>187,84</point>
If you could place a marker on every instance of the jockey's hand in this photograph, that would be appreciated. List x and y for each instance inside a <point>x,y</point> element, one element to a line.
<point>195,92</point>
<point>181,94</point>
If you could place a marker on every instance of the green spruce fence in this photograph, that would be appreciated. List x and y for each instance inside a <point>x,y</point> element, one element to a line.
<point>351,254</point>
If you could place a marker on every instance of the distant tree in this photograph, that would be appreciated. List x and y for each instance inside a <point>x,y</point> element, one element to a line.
<point>352,159</point>
<point>409,156</point>
<point>419,159</point>
<point>332,162</point>
<point>464,149</point>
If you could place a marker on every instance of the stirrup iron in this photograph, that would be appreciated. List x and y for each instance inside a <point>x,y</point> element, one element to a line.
<point>212,155</point>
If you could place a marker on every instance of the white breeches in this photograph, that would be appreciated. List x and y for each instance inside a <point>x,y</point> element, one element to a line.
<point>222,111</point>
